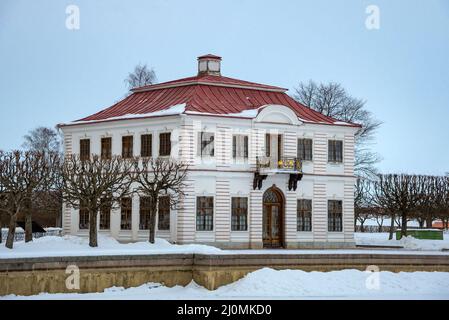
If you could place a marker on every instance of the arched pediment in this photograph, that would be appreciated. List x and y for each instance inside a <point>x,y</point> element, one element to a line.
<point>275,113</point>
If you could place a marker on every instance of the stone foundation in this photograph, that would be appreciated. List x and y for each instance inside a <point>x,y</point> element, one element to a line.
<point>35,275</point>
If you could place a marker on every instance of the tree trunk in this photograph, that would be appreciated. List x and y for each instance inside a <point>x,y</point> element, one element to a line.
<point>429,221</point>
<point>362,229</point>
<point>28,221</point>
<point>93,242</point>
<point>11,231</point>
<point>403,224</point>
<point>390,237</point>
<point>421,223</point>
<point>152,222</point>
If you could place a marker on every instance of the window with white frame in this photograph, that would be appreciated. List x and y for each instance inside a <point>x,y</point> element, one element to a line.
<point>305,149</point>
<point>206,142</point>
<point>239,214</point>
<point>304,215</point>
<point>335,151</point>
<point>335,215</point>
<point>204,213</point>
<point>240,146</point>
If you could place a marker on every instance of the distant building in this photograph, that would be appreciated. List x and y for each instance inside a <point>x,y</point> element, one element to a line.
<point>265,171</point>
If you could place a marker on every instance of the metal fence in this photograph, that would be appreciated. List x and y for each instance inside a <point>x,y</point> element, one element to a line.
<point>20,233</point>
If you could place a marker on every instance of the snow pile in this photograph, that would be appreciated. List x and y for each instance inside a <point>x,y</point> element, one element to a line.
<point>173,110</point>
<point>290,284</point>
<point>53,246</point>
<point>410,243</point>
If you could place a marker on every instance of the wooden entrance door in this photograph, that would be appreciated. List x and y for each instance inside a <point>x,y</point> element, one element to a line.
<point>273,213</point>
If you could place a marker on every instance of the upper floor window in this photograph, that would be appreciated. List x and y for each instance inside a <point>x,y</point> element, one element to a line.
<point>335,151</point>
<point>240,146</point>
<point>267,145</point>
<point>106,148</point>
<point>164,144</point>
<point>335,215</point>
<point>127,147</point>
<point>239,214</point>
<point>163,221</point>
<point>305,149</point>
<point>304,215</point>
<point>204,213</point>
<point>84,149</point>
<point>146,144</point>
<point>206,142</point>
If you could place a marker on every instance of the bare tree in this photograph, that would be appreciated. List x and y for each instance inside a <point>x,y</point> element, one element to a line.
<point>362,202</point>
<point>42,139</point>
<point>443,201</point>
<point>141,76</point>
<point>89,181</point>
<point>334,101</point>
<point>3,204</point>
<point>398,194</point>
<point>158,176</point>
<point>21,173</point>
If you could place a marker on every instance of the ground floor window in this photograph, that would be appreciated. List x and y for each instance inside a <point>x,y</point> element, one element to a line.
<point>204,213</point>
<point>144,212</point>
<point>304,213</point>
<point>335,215</point>
<point>126,213</point>
<point>164,213</point>
<point>83,216</point>
<point>239,214</point>
<point>105,214</point>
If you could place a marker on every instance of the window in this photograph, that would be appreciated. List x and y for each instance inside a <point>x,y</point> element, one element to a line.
<point>206,144</point>
<point>83,216</point>
<point>204,213</point>
<point>165,144</point>
<point>126,212</point>
<point>305,149</point>
<point>267,144</point>
<point>304,213</point>
<point>280,146</point>
<point>146,144</point>
<point>105,213</point>
<point>106,148</point>
<point>335,212</point>
<point>240,147</point>
<point>127,147</point>
<point>335,151</point>
<point>85,149</point>
<point>144,212</point>
<point>164,213</point>
<point>239,214</point>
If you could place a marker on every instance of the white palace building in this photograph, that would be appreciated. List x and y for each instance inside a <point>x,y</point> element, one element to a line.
<point>264,170</point>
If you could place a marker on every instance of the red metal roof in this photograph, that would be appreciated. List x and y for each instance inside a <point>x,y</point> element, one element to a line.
<point>206,94</point>
<point>209,56</point>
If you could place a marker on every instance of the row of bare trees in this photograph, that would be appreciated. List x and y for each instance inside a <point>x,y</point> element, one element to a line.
<point>91,183</point>
<point>401,198</point>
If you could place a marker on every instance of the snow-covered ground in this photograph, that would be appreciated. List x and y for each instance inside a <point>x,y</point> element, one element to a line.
<point>290,284</point>
<point>409,243</point>
<point>54,246</point>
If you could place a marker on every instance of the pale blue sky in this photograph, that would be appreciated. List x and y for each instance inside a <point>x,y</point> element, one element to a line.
<point>49,74</point>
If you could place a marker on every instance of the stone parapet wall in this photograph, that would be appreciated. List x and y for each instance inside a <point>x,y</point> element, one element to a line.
<point>29,276</point>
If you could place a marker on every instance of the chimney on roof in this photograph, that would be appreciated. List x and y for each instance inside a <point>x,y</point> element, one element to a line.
<point>209,65</point>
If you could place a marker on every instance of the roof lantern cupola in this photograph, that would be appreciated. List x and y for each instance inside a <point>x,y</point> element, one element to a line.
<point>209,64</point>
